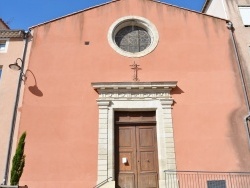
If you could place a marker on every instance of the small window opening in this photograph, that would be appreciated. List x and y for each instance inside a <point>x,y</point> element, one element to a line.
<point>2,45</point>
<point>86,42</point>
<point>0,71</point>
<point>245,15</point>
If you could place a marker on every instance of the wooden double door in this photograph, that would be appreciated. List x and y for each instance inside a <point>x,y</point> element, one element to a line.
<point>136,160</point>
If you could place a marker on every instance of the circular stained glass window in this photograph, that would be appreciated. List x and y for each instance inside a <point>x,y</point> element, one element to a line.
<point>133,36</point>
<point>132,39</point>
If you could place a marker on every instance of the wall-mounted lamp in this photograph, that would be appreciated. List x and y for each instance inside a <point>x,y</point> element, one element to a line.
<point>16,67</point>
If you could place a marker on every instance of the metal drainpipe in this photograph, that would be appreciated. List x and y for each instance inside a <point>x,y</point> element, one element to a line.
<point>7,166</point>
<point>247,118</point>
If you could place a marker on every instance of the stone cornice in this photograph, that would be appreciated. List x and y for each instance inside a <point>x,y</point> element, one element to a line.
<point>134,90</point>
<point>133,85</point>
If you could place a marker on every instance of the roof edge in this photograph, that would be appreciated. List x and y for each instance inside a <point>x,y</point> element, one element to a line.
<point>7,27</point>
<point>71,14</point>
<point>113,1</point>
<point>205,5</point>
<point>191,10</point>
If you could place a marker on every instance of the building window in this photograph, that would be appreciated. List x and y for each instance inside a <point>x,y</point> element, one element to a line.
<point>245,15</point>
<point>0,71</point>
<point>132,39</point>
<point>133,36</point>
<point>3,45</point>
<point>216,184</point>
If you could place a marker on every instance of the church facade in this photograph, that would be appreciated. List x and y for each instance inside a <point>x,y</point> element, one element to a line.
<point>127,90</point>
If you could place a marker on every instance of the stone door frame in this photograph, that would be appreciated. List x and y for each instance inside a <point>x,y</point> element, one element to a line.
<point>135,96</point>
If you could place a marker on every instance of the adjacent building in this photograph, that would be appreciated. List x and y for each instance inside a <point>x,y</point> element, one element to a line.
<point>12,44</point>
<point>238,12</point>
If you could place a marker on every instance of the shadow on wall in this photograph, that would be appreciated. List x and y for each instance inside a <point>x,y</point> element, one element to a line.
<point>34,89</point>
<point>176,91</point>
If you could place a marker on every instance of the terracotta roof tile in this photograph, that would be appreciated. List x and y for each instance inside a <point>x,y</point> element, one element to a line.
<point>12,33</point>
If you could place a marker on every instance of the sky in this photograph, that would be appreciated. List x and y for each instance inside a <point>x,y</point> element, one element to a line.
<point>22,14</point>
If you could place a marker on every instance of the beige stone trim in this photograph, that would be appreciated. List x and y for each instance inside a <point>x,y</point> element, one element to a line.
<point>132,96</point>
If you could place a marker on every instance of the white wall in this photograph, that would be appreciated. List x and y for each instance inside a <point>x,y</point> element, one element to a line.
<point>216,8</point>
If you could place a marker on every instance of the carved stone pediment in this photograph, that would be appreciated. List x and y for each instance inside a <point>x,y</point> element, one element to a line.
<point>134,90</point>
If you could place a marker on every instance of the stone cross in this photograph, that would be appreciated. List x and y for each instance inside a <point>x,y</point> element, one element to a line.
<point>135,67</point>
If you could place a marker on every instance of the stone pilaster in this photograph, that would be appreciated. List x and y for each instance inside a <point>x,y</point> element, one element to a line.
<point>169,133</point>
<point>103,141</point>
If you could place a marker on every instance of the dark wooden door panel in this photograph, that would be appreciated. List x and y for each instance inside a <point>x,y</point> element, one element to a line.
<point>126,181</point>
<point>146,149</point>
<point>136,160</point>
<point>148,180</point>
<point>126,137</point>
<point>129,166</point>
<point>146,136</point>
<point>126,175</point>
<point>147,161</point>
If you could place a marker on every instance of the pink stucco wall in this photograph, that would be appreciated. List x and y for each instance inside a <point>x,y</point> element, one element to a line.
<point>62,122</point>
